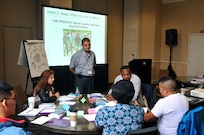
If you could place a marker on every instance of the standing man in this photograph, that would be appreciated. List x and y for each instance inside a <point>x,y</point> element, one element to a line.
<point>170,109</point>
<point>82,65</point>
<point>9,126</point>
<point>125,74</point>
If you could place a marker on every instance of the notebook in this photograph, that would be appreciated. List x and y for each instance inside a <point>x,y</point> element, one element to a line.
<point>58,122</point>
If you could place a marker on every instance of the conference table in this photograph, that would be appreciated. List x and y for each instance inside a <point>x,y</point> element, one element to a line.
<point>186,80</point>
<point>190,84</point>
<point>83,127</point>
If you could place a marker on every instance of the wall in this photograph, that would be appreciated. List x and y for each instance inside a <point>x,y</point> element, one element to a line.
<point>155,18</point>
<point>150,33</point>
<point>187,17</point>
<point>115,35</point>
<point>15,25</point>
<point>130,30</point>
<point>20,19</point>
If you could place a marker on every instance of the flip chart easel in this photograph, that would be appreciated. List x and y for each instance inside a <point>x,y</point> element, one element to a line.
<point>32,53</point>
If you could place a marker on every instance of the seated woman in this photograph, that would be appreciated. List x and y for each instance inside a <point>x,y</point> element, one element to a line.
<point>44,88</point>
<point>122,117</point>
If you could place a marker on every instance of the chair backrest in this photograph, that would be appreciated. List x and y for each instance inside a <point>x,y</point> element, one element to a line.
<point>148,93</point>
<point>21,97</point>
<point>145,131</point>
<point>191,123</point>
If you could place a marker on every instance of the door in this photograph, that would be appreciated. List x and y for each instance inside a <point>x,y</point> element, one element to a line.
<point>195,65</point>
<point>15,74</point>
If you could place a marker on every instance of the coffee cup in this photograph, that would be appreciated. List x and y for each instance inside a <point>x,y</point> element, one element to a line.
<point>31,102</point>
<point>145,109</point>
<point>73,119</point>
<point>183,91</point>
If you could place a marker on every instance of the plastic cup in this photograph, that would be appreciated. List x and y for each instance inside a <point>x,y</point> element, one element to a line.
<point>31,102</point>
<point>73,119</point>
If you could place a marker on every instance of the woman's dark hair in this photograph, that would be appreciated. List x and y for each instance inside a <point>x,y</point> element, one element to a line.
<point>43,82</point>
<point>123,91</point>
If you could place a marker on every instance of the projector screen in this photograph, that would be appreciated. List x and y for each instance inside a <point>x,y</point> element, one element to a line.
<point>63,30</point>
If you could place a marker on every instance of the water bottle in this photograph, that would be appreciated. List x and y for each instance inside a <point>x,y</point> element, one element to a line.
<point>77,93</point>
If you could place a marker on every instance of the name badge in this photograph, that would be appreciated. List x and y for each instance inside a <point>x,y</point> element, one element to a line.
<point>90,72</point>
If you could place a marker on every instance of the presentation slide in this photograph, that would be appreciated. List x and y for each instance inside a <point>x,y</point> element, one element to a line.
<point>63,30</point>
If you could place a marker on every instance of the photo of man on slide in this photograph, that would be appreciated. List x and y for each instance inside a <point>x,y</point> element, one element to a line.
<point>72,40</point>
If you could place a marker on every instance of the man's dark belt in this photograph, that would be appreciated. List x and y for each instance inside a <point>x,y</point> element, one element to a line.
<point>82,76</point>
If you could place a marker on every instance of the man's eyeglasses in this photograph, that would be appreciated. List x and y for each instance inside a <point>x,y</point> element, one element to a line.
<point>14,98</point>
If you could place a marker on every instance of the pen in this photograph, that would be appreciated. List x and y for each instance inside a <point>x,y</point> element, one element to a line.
<point>29,111</point>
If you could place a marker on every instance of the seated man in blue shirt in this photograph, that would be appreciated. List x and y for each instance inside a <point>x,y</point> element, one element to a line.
<point>9,126</point>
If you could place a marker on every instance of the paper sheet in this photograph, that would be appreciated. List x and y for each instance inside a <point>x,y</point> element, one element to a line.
<point>41,120</point>
<point>30,112</point>
<point>47,105</point>
<point>90,117</point>
<point>68,102</point>
<point>80,113</point>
